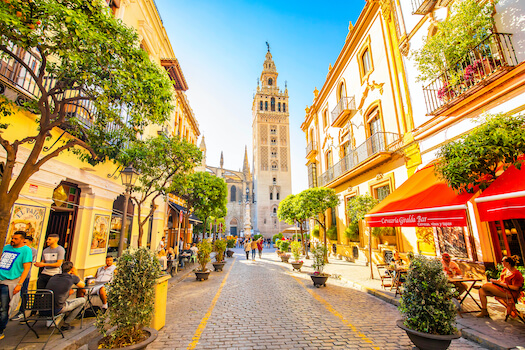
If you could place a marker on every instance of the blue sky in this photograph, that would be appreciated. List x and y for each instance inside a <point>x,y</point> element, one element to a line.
<point>221,46</point>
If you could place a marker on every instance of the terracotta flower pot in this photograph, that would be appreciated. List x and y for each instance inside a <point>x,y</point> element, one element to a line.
<point>93,344</point>
<point>284,258</point>
<point>426,341</point>
<point>297,265</point>
<point>319,280</point>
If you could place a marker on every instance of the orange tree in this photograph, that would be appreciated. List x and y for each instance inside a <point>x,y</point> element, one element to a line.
<point>83,60</point>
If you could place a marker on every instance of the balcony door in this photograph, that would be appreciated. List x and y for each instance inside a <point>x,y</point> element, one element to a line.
<point>376,133</point>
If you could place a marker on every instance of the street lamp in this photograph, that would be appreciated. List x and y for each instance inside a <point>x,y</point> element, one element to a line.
<point>128,176</point>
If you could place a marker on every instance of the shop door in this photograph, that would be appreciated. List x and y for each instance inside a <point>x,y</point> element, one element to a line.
<point>508,238</point>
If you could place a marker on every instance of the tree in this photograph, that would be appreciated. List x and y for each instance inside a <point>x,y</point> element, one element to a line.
<point>314,202</point>
<point>204,194</point>
<point>471,162</point>
<point>90,79</point>
<point>161,162</point>
<point>290,210</point>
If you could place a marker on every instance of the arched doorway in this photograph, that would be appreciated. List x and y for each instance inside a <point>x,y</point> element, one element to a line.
<point>63,214</point>
<point>233,227</point>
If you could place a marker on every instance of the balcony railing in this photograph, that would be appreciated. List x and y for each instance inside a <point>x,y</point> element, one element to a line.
<point>345,107</point>
<point>422,7</point>
<point>483,64</point>
<point>312,146</point>
<point>378,142</point>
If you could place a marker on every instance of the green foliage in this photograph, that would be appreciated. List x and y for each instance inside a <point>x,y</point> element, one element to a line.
<point>203,255</point>
<point>220,248</point>
<point>313,202</point>
<point>319,258</point>
<point>315,231</point>
<point>132,298</point>
<point>285,245</point>
<point>277,237</point>
<point>230,243</point>
<point>426,302</point>
<point>471,162</point>
<point>496,272</point>
<point>256,237</point>
<point>331,233</point>
<point>296,250</point>
<point>352,232</point>
<point>450,45</point>
<point>278,243</point>
<point>298,236</point>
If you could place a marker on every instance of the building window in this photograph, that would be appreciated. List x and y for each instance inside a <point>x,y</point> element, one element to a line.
<point>375,131</point>
<point>279,106</point>
<point>272,102</point>
<point>325,118</point>
<point>334,216</point>
<point>312,175</point>
<point>274,166</point>
<point>342,91</point>
<point>270,81</point>
<point>233,194</point>
<point>261,105</point>
<point>365,60</point>
<point>275,209</point>
<point>274,153</point>
<point>274,181</point>
<point>382,192</point>
<point>284,107</point>
<point>273,141</point>
<point>265,105</point>
<point>271,196</point>
<point>329,160</point>
<point>277,196</point>
<point>273,130</point>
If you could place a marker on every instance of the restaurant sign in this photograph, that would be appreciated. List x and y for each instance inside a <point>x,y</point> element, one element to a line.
<point>427,219</point>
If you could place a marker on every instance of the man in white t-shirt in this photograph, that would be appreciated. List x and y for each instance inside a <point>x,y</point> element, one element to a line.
<point>52,258</point>
<point>104,275</point>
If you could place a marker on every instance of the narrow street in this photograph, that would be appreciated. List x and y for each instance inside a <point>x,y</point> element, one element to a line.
<point>264,305</point>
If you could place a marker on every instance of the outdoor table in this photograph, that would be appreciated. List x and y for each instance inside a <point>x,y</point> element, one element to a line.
<point>88,305</point>
<point>467,292</point>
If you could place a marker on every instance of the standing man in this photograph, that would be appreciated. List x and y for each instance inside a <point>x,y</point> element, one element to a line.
<point>28,241</point>
<point>162,244</point>
<point>52,258</point>
<point>15,264</point>
<point>61,284</point>
<point>254,249</point>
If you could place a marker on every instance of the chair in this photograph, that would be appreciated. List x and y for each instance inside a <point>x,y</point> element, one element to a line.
<point>384,275</point>
<point>399,279</point>
<point>40,305</point>
<point>193,258</point>
<point>510,305</point>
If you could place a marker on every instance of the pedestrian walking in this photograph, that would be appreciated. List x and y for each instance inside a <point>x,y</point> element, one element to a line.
<point>247,248</point>
<point>254,249</point>
<point>260,247</point>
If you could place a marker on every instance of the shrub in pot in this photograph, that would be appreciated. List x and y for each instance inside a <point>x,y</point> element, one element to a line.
<point>426,304</point>
<point>220,247</point>
<point>230,243</point>
<point>285,245</point>
<point>203,258</point>
<point>131,299</point>
<point>295,247</point>
<point>318,277</point>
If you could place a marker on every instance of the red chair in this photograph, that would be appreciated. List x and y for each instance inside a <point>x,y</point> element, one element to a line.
<point>510,304</point>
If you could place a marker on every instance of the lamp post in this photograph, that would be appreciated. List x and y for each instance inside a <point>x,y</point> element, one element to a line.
<point>128,176</point>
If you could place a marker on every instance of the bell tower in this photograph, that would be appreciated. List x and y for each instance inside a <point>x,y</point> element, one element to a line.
<point>271,149</point>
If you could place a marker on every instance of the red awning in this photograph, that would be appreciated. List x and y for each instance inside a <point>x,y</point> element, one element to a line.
<point>504,199</point>
<point>421,201</point>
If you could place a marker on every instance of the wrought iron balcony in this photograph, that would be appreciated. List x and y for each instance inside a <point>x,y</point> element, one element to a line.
<point>483,64</point>
<point>378,142</point>
<point>343,111</point>
<point>422,7</point>
<point>311,147</point>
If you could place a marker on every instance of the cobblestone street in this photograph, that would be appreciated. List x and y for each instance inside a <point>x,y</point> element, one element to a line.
<point>263,305</point>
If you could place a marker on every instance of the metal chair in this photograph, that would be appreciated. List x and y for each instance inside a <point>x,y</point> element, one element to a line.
<point>510,305</point>
<point>39,305</point>
<point>385,275</point>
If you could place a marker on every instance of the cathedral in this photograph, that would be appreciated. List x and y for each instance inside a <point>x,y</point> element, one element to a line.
<point>253,199</point>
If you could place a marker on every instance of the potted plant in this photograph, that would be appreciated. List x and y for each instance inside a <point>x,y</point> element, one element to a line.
<point>220,248</point>
<point>230,243</point>
<point>284,249</point>
<point>296,252</point>
<point>318,277</point>
<point>278,246</point>
<point>203,257</point>
<point>427,306</point>
<point>124,325</point>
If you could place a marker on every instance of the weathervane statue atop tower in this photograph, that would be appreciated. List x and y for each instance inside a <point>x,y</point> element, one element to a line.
<point>267,44</point>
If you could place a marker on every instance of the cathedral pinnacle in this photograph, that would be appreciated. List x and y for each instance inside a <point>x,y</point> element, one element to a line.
<point>222,160</point>
<point>246,165</point>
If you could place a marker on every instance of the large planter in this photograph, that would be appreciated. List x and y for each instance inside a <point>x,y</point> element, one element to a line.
<point>319,280</point>
<point>425,341</point>
<point>93,344</point>
<point>202,275</point>
<point>218,266</point>
<point>229,253</point>
<point>284,258</point>
<point>297,265</point>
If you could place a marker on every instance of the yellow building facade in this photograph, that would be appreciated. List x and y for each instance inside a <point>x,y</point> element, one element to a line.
<point>84,203</point>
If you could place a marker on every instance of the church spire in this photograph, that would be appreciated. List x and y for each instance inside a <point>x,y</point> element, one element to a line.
<point>222,160</point>
<point>246,165</point>
<point>269,73</point>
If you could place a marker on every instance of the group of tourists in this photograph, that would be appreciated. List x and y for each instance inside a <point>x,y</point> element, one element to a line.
<point>168,257</point>
<point>253,246</point>
<point>57,275</point>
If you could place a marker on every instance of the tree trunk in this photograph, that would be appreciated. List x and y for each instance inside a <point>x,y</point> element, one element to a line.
<point>5,214</point>
<point>204,229</point>
<point>141,224</point>
<point>302,240</point>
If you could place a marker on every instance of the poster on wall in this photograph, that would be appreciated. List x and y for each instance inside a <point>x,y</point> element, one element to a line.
<point>99,238</point>
<point>28,218</point>
<point>452,240</point>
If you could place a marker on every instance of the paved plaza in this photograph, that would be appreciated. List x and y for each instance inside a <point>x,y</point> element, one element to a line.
<point>263,305</point>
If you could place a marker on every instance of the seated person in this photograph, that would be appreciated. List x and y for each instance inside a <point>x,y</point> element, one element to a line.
<point>452,270</point>
<point>194,249</point>
<point>185,255</point>
<point>163,259</point>
<point>104,275</point>
<point>509,283</point>
<point>61,284</point>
